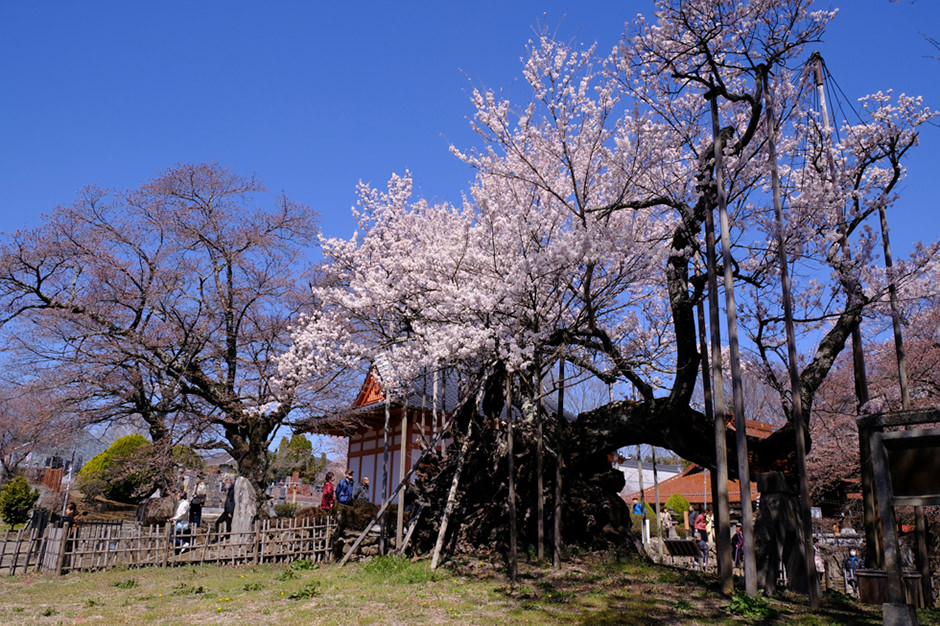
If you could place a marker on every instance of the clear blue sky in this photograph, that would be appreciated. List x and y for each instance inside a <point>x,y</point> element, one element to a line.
<point>314,96</point>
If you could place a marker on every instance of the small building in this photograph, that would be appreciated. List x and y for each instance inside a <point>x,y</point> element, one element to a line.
<point>694,483</point>
<point>633,470</point>
<point>413,421</point>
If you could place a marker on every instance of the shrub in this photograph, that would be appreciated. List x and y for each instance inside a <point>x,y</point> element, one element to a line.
<point>188,457</point>
<point>286,509</point>
<point>119,473</point>
<point>16,499</point>
<point>677,504</point>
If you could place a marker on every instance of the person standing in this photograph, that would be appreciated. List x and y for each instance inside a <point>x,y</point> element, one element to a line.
<point>820,564</point>
<point>345,488</point>
<point>328,500</point>
<point>701,526</point>
<point>665,521</point>
<point>637,507</point>
<point>362,491</point>
<point>71,513</point>
<point>737,542</point>
<point>180,519</point>
<point>709,526</point>
<point>850,565</point>
<point>196,502</point>
<point>228,509</point>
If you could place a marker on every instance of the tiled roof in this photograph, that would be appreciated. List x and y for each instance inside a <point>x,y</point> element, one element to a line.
<point>694,485</point>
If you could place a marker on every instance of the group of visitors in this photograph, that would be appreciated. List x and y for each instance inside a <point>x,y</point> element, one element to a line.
<point>187,515</point>
<point>700,528</point>
<point>704,526</point>
<point>345,492</point>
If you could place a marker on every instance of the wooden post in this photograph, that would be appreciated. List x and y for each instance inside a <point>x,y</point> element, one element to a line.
<point>510,462</point>
<point>400,520</point>
<point>659,519</point>
<point>4,542</point>
<point>259,543</point>
<point>434,398</point>
<point>639,477</point>
<point>451,497</point>
<point>713,382</point>
<point>34,541</point>
<point>740,422</point>
<point>167,545</point>
<point>801,425</point>
<point>873,537</point>
<point>412,523</point>
<point>60,561</point>
<point>559,443</point>
<point>16,549</point>
<point>923,563</point>
<point>385,449</point>
<point>892,561</point>
<point>539,461</point>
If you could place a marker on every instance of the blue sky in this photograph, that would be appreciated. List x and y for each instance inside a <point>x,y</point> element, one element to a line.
<point>315,96</point>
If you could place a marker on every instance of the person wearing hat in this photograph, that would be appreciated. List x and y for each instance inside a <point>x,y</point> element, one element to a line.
<point>345,488</point>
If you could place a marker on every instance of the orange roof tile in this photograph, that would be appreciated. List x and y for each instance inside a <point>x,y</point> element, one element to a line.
<point>694,485</point>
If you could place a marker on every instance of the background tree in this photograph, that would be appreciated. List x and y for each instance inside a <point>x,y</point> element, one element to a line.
<point>295,455</point>
<point>26,415</point>
<point>167,302</point>
<point>834,465</point>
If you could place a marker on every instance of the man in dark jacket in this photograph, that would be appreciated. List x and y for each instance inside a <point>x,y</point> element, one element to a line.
<point>362,491</point>
<point>850,565</point>
<point>345,488</point>
<point>227,509</point>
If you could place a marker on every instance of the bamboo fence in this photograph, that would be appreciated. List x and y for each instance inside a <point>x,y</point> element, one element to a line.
<point>96,546</point>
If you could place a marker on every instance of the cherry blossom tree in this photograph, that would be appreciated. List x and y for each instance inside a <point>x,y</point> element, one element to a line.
<point>577,241</point>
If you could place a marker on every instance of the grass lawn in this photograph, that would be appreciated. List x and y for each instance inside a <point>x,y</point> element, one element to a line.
<point>593,589</point>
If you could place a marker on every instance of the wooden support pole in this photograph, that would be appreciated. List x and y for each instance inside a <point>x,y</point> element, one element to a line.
<point>510,462</point>
<point>801,424</point>
<point>740,421</point>
<point>556,551</point>
<point>539,463</point>
<point>659,519</point>
<point>385,469</point>
<point>451,497</point>
<point>892,561</point>
<point>873,538</point>
<point>714,411</point>
<point>400,520</point>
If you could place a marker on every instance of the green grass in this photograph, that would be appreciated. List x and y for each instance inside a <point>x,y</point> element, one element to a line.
<point>589,589</point>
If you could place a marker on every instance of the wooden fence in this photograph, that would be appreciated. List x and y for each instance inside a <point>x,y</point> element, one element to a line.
<point>95,546</point>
